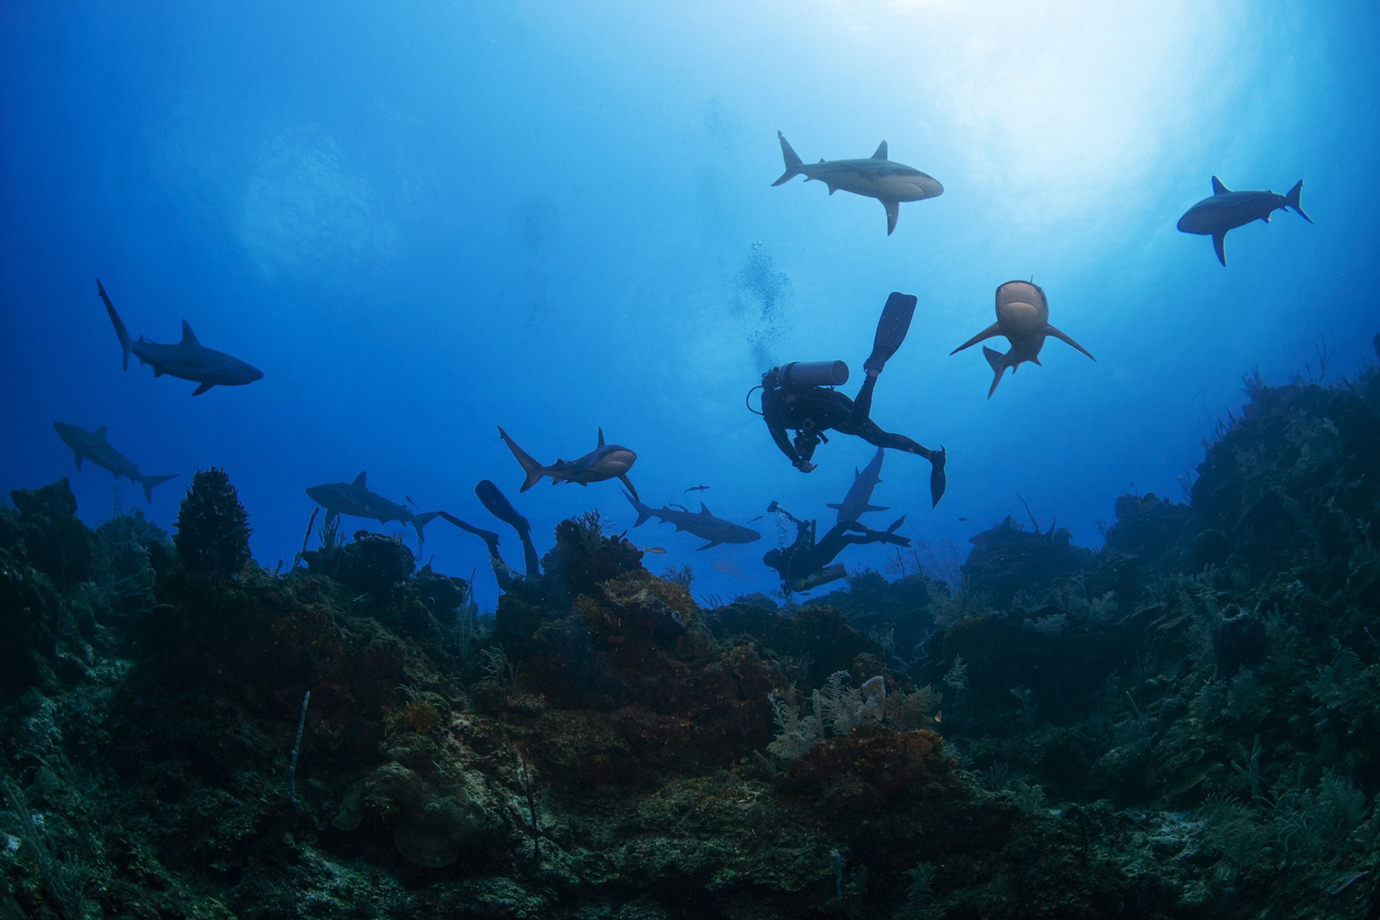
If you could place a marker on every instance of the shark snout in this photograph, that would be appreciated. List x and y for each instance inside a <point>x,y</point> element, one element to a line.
<point>618,460</point>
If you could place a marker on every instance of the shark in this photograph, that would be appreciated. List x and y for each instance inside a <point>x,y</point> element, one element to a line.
<point>1227,210</point>
<point>355,499</point>
<point>874,177</point>
<point>93,446</point>
<point>188,359</point>
<point>606,461</point>
<point>855,503</point>
<point>1023,317</point>
<point>703,525</point>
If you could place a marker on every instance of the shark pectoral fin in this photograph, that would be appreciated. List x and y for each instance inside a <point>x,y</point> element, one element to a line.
<point>835,507</point>
<point>893,211</point>
<point>1219,245</point>
<point>628,482</point>
<point>998,362</point>
<point>710,545</point>
<point>201,389</point>
<point>877,508</point>
<point>881,151</point>
<point>1218,188</point>
<point>989,332</point>
<point>1050,330</point>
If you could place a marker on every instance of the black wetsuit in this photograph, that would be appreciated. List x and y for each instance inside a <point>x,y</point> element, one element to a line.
<point>811,411</point>
<point>806,557</point>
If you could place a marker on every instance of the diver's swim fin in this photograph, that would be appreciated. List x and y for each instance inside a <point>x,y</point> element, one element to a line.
<point>891,330</point>
<point>938,480</point>
<point>498,505</point>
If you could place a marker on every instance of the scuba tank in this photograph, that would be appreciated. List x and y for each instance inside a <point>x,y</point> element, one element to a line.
<point>812,374</point>
<point>829,573</point>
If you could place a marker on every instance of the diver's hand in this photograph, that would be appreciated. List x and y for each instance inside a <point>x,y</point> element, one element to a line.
<point>938,481</point>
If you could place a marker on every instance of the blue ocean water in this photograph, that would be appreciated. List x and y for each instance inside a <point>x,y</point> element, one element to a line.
<point>428,221</point>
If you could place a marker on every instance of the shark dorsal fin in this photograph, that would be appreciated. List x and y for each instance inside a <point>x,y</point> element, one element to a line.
<point>188,336</point>
<point>704,509</point>
<point>881,151</point>
<point>359,481</point>
<point>100,432</point>
<point>601,437</point>
<point>1218,188</point>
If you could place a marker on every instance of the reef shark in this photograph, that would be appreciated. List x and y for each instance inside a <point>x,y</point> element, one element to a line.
<point>92,445</point>
<point>703,525</point>
<point>606,461</point>
<point>875,177</point>
<point>355,499</point>
<point>188,359</point>
<point>1023,317</point>
<point>855,503</point>
<point>1227,210</point>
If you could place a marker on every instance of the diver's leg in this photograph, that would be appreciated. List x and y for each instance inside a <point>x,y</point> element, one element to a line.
<point>862,406</point>
<point>833,542</point>
<point>872,433</point>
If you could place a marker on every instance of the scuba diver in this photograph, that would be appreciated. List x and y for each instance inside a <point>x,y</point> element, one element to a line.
<point>801,397</point>
<point>806,563</point>
<point>499,506</point>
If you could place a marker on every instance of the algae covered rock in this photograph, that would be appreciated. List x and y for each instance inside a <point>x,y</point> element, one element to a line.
<point>45,532</point>
<point>212,527</point>
<point>431,826</point>
<point>1008,559</point>
<point>373,563</point>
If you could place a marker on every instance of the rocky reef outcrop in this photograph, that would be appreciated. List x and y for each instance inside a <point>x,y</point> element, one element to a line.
<point>1181,724</point>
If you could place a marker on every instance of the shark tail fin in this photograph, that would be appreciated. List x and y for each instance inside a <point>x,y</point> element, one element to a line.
<point>120,330</point>
<point>421,520</point>
<point>534,470</point>
<point>643,512</point>
<point>793,162</point>
<point>998,362</point>
<point>148,482</point>
<point>1293,199</point>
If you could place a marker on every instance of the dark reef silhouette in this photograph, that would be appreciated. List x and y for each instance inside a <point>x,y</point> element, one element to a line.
<point>1183,723</point>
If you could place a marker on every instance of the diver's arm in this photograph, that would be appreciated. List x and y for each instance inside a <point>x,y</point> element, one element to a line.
<point>771,412</point>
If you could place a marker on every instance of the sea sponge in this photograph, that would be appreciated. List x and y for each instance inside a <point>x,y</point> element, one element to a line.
<point>212,528</point>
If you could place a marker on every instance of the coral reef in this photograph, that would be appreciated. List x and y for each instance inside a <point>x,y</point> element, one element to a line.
<point>1182,724</point>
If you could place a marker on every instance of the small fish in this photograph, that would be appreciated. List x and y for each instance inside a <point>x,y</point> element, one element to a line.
<point>758,518</point>
<point>410,501</point>
<point>653,549</point>
<point>939,716</point>
<point>697,488</point>
<point>963,520</point>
